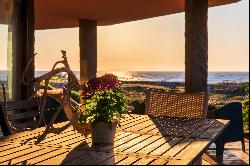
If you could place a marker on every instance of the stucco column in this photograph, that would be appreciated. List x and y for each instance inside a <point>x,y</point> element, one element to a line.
<point>88,49</point>
<point>196,45</point>
<point>23,46</point>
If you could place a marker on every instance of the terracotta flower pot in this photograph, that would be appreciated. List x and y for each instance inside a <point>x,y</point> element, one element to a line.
<point>103,133</point>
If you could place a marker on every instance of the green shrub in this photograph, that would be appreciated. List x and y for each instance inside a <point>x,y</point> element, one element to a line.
<point>139,107</point>
<point>245,89</point>
<point>246,113</point>
<point>42,85</point>
<point>75,96</point>
<point>212,107</point>
<point>104,106</point>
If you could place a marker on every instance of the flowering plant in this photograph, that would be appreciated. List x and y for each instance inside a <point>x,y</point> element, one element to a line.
<point>104,100</point>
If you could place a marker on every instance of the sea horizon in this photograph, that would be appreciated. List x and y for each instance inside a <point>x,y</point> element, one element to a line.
<point>160,76</point>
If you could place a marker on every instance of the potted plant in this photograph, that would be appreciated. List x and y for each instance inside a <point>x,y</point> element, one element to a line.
<point>104,106</point>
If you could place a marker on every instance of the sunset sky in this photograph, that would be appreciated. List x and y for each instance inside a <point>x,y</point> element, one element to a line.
<point>155,44</point>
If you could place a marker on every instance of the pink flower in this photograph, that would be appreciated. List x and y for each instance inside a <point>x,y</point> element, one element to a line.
<point>105,82</point>
<point>109,81</point>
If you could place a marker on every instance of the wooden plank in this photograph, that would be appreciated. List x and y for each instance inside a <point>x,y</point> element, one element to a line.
<point>100,157</point>
<point>9,146</point>
<point>178,147</point>
<point>175,126</point>
<point>199,146</point>
<point>29,156</point>
<point>13,151</point>
<point>165,147</point>
<point>20,137</point>
<point>215,130</point>
<point>143,161</point>
<point>209,160</point>
<point>3,144</point>
<point>25,137</point>
<point>80,143</point>
<point>48,157</point>
<point>79,161</point>
<point>128,161</point>
<point>192,127</point>
<point>142,144</point>
<point>159,162</point>
<point>120,142</point>
<point>135,125</point>
<point>191,153</point>
<point>53,137</point>
<point>134,122</point>
<point>149,130</point>
<point>201,128</point>
<point>17,153</point>
<point>128,119</point>
<point>77,157</point>
<point>113,160</point>
<point>62,139</point>
<point>83,159</point>
<point>131,143</point>
<point>154,145</point>
<point>71,141</point>
<point>121,135</point>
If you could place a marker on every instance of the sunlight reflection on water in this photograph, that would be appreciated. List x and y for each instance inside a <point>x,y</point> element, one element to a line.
<point>214,77</point>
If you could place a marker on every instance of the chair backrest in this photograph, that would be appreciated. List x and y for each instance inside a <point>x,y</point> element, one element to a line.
<point>22,109</point>
<point>20,115</point>
<point>232,112</point>
<point>185,105</point>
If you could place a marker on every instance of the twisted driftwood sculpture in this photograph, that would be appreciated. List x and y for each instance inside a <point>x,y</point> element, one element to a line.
<point>70,107</point>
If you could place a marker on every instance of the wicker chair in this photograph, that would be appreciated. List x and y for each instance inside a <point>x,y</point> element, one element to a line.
<point>185,105</point>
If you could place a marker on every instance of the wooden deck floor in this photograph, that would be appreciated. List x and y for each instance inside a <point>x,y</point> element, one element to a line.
<point>233,155</point>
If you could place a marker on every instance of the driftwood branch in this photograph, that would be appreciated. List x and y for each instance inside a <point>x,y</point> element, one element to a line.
<point>72,81</point>
<point>64,61</point>
<point>25,71</point>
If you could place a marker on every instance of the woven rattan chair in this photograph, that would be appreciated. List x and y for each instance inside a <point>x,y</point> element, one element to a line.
<point>185,105</point>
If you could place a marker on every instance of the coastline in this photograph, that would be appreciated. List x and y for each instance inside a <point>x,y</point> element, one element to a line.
<point>220,94</point>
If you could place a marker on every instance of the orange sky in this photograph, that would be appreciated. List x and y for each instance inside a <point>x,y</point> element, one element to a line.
<point>154,44</point>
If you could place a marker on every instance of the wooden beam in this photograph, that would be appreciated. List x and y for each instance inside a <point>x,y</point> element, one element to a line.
<point>196,45</point>
<point>88,49</point>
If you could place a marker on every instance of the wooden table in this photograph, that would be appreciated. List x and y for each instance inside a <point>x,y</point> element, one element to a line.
<point>140,140</point>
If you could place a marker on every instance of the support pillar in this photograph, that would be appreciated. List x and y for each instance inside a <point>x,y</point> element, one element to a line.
<point>88,49</point>
<point>196,45</point>
<point>23,46</point>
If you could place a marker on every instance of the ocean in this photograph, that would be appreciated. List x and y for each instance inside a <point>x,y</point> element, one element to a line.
<point>214,77</point>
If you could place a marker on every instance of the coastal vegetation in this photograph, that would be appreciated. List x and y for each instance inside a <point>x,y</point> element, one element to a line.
<point>219,95</point>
